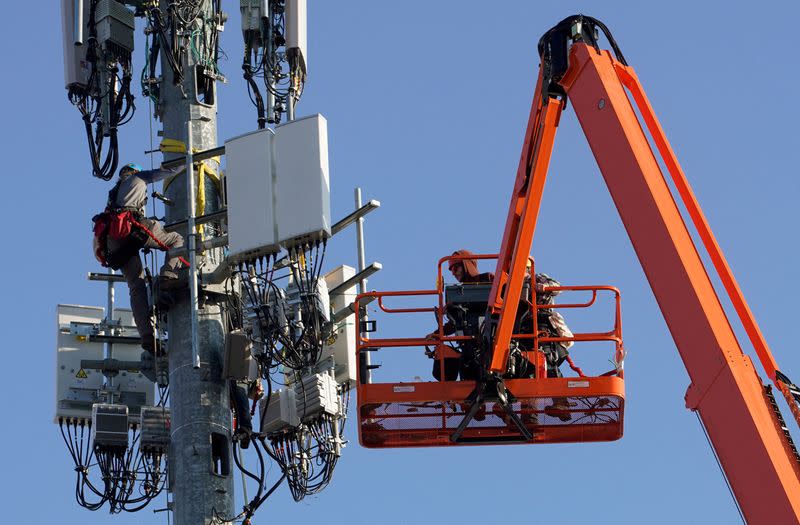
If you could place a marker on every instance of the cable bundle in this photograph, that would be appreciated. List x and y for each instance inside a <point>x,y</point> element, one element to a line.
<point>121,471</point>
<point>109,87</point>
<point>308,455</point>
<point>270,63</point>
<point>288,325</point>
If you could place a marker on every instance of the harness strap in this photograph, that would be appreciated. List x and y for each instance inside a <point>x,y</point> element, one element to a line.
<point>160,244</point>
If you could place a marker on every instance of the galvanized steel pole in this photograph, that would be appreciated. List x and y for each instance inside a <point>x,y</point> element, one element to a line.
<point>109,321</point>
<point>365,358</point>
<point>199,458</point>
<point>191,238</point>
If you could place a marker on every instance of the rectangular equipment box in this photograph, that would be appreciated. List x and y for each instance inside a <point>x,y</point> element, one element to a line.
<point>321,299</point>
<point>110,426</point>
<point>238,362</point>
<point>252,11</point>
<point>302,186</point>
<point>343,347</point>
<point>252,231</point>
<point>278,188</point>
<point>316,394</point>
<point>277,310</point>
<point>77,388</point>
<point>476,295</point>
<point>115,25</point>
<point>76,69</point>
<point>156,427</point>
<point>281,413</point>
<point>467,294</point>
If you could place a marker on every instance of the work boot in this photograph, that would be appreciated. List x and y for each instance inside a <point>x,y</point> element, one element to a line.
<point>147,366</point>
<point>164,300</point>
<point>169,286</point>
<point>170,281</point>
<point>499,412</point>
<point>156,369</point>
<point>162,371</point>
<point>242,435</point>
<point>151,345</point>
<point>529,415</point>
<point>559,409</point>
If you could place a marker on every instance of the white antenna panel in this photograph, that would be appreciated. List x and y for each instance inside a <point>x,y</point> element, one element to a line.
<point>278,188</point>
<point>297,33</point>
<point>74,32</point>
<point>252,231</point>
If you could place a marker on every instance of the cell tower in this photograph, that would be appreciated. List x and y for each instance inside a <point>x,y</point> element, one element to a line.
<point>251,323</point>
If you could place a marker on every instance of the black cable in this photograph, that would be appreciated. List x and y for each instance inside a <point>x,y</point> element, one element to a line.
<point>156,20</point>
<point>253,91</point>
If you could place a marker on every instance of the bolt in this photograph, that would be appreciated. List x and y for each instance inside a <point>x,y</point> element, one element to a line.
<point>601,104</point>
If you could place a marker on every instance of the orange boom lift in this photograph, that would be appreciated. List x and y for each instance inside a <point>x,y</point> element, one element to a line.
<point>737,410</point>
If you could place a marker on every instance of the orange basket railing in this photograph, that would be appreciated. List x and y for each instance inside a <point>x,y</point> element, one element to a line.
<point>422,413</point>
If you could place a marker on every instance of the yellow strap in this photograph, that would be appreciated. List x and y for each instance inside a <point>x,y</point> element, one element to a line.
<point>172,146</point>
<point>201,169</point>
<point>200,197</point>
<point>213,174</point>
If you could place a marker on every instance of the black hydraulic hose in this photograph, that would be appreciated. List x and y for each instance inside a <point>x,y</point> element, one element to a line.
<point>554,47</point>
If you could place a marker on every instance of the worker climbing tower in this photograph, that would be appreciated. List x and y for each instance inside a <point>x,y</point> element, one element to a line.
<point>250,325</point>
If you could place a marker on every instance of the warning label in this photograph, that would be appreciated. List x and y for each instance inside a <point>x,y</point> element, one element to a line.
<point>81,374</point>
<point>403,389</point>
<point>578,384</point>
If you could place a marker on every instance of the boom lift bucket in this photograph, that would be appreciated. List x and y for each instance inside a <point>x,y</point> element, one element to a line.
<point>738,412</point>
<point>528,406</point>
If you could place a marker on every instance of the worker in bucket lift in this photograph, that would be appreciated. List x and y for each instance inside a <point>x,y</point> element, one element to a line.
<point>128,232</point>
<point>550,322</point>
<point>465,271</point>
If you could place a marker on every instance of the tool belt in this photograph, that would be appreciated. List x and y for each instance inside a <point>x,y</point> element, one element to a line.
<point>123,227</point>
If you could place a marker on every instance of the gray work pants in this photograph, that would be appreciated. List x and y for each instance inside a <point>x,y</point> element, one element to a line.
<point>134,274</point>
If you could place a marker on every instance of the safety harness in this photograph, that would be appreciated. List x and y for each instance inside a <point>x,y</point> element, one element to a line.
<point>124,225</point>
<point>120,225</point>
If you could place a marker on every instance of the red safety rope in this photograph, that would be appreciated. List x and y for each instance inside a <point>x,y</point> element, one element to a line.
<point>574,367</point>
<point>160,244</point>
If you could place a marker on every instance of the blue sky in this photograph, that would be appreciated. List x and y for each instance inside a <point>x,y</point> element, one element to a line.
<point>426,104</point>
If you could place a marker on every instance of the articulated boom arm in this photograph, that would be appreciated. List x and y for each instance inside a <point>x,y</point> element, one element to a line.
<point>738,411</point>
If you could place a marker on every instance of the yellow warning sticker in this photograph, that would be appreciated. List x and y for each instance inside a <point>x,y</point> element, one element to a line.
<point>81,374</point>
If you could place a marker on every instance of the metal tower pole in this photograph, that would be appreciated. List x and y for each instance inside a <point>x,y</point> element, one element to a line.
<point>109,321</point>
<point>362,286</point>
<point>200,462</point>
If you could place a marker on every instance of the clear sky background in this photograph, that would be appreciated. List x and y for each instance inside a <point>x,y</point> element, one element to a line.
<point>427,104</point>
